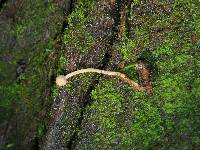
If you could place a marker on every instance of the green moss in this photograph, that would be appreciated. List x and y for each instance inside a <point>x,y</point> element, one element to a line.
<point>9,94</point>
<point>54,91</point>
<point>76,36</point>
<point>62,62</point>
<point>130,71</point>
<point>31,20</point>
<point>79,39</point>
<point>104,93</point>
<point>117,116</point>
<point>168,119</point>
<point>28,98</point>
<point>126,47</point>
<point>9,99</point>
<point>41,130</point>
<point>107,103</point>
<point>121,120</point>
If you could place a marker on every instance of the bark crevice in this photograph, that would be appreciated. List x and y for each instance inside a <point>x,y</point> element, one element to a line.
<point>104,65</point>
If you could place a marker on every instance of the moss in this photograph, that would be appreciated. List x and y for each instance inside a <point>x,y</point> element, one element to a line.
<point>126,47</point>
<point>28,98</point>
<point>76,36</point>
<point>120,120</point>
<point>41,130</point>
<point>79,39</point>
<point>62,61</point>
<point>168,118</point>
<point>54,91</point>
<point>9,99</point>
<point>29,22</point>
<point>131,71</point>
<point>116,117</point>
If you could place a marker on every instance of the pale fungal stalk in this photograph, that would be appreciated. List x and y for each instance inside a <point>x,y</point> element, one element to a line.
<point>62,80</point>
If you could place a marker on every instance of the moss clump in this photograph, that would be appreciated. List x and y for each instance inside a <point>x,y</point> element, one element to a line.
<point>114,116</point>
<point>131,71</point>
<point>76,36</point>
<point>31,21</point>
<point>127,48</point>
<point>26,101</point>
<point>119,118</point>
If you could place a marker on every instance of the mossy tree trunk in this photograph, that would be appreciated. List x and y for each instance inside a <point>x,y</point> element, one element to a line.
<point>156,43</point>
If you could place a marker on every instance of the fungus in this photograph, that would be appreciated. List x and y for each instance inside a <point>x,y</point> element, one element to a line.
<point>61,80</point>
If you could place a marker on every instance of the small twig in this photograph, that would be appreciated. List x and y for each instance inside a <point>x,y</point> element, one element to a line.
<point>62,80</point>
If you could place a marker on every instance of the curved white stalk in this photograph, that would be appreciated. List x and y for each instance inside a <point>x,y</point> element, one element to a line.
<point>62,80</point>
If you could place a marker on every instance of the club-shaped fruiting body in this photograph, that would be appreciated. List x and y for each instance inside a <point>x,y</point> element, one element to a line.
<point>61,80</point>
